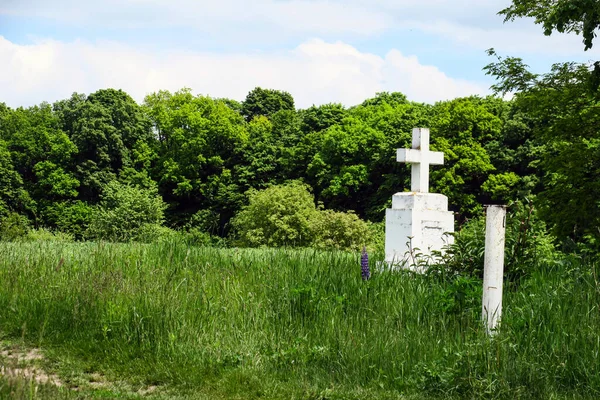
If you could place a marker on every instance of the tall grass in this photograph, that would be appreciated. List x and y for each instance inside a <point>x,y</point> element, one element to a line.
<point>279,322</point>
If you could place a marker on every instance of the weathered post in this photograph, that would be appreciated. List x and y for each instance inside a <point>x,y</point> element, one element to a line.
<point>493,270</point>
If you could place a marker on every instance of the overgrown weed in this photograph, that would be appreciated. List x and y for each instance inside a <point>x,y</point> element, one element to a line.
<point>282,321</point>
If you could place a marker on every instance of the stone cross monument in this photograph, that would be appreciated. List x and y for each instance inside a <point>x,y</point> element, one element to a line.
<point>418,220</point>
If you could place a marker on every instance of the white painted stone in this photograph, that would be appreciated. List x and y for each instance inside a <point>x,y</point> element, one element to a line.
<point>493,270</point>
<point>418,221</point>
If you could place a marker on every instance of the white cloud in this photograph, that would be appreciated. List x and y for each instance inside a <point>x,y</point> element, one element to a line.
<point>313,16</point>
<point>520,38</point>
<point>314,72</point>
<point>471,24</point>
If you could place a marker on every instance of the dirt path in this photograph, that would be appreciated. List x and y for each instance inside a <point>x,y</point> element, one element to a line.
<point>19,363</point>
<point>23,363</point>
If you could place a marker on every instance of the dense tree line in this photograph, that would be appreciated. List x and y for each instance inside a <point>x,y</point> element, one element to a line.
<point>203,155</point>
<point>195,162</point>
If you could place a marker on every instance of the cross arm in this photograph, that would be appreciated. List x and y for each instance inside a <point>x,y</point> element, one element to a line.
<point>408,156</point>
<point>436,158</point>
<point>415,156</point>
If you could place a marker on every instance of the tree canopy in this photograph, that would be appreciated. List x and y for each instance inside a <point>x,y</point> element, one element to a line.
<point>578,16</point>
<point>558,111</point>
<point>203,156</point>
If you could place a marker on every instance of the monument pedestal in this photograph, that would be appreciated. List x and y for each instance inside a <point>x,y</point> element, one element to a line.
<point>417,223</point>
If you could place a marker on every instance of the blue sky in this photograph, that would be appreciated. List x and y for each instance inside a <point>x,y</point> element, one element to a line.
<point>319,50</point>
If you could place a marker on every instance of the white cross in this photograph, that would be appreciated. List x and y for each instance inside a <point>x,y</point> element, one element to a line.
<point>420,159</point>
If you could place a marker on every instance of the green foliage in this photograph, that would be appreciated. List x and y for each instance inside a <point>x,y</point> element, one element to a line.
<point>285,215</point>
<point>340,230</point>
<point>501,187</point>
<point>394,118</point>
<point>71,218</point>
<point>54,181</point>
<point>45,235</point>
<point>392,99</point>
<point>561,107</point>
<point>319,118</point>
<point>14,226</point>
<point>41,154</point>
<point>126,213</point>
<point>33,135</point>
<point>277,216</point>
<point>266,102</point>
<point>377,236</point>
<point>460,128</point>
<point>461,296</point>
<point>154,233</point>
<point>260,159</point>
<point>105,128</point>
<point>340,169</point>
<point>204,154</point>
<point>211,323</point>
<point>565,16</point>
<point>198,237</point>
<point>528,245</point>
<point>205,221</point>
<point>12,194</point>
<point>198,149</point>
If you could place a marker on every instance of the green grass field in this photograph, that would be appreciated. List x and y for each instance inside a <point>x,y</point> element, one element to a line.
<point>168,321</point>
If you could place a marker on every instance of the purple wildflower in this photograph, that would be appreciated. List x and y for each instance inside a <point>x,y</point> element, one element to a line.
<point>364,264</point>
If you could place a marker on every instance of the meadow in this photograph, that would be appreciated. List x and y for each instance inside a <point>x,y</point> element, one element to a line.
<point>201,322</point>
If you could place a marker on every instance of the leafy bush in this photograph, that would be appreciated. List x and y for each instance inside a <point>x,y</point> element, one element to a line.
<point>376,236</point>
<point>71,218</point>
<point>45,235</point>
<point>154,233</point>
<point>459,295</point>
<point>340,230</point>
<point>501,186</point>
<point>198,237</point>
<point>285,215</point>
<point>527,243</point>
<point>281,215</point>
<point>14,226</point>
<point>205,221</point>
<point>125,213</point>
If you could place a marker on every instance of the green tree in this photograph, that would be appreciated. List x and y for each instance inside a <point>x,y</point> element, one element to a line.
<point>318,118</point>
<point>124,212</point>
<point>393,99</point>
<point>460,128</point>
<point>266,102</point>
<point>106,127</point>
<point>562,107</point>
<point>13,196</point>
<point>42,155</point>
<point>341,169</point>
<point>515,154</point>
<point>277,216</point>
<point>578,16</point>
<point>285,215</point>
<point>198,149</point>
<point>288,136</point>
<point>71,217</point>
<point>260,156</point>
<point>340,230</point>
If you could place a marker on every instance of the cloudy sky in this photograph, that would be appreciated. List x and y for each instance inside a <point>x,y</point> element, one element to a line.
<point>320,51</point>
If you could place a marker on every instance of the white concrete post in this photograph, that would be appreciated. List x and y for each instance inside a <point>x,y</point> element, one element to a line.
<point>493,270</point>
